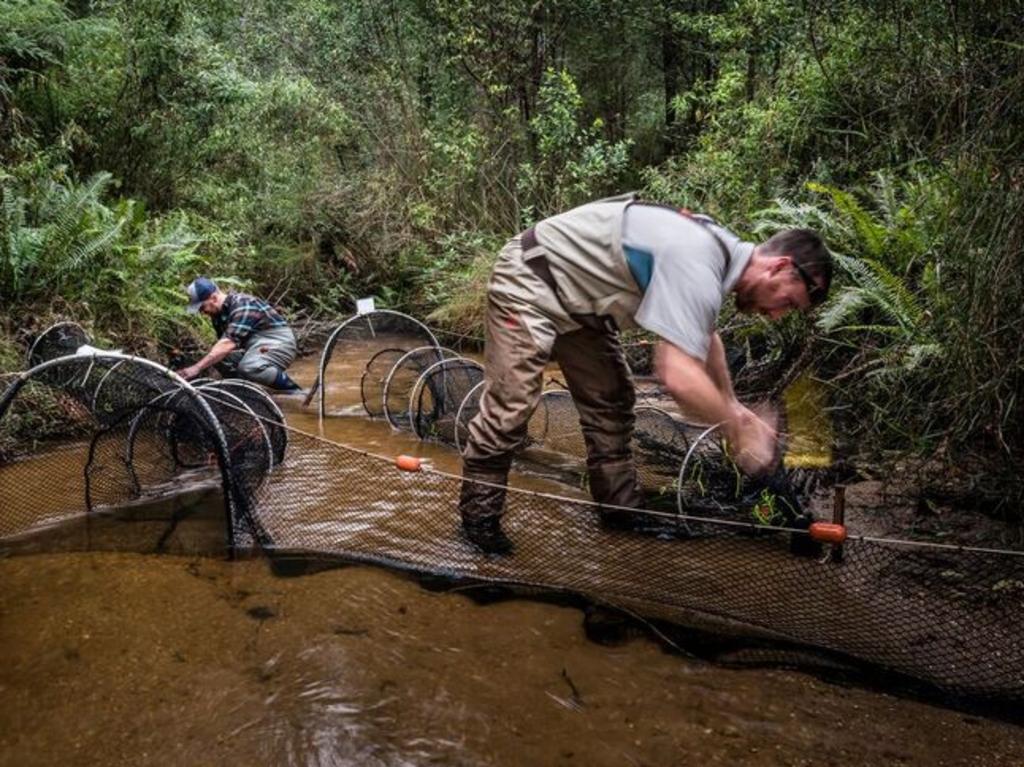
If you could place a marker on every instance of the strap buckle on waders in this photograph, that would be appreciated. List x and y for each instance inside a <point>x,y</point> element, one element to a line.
<point>534,258</point>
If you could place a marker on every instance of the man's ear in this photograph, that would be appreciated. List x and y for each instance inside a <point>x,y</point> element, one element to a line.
<point>779,263</point>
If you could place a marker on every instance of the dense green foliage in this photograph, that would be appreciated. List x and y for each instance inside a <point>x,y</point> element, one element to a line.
<point>317,150</point>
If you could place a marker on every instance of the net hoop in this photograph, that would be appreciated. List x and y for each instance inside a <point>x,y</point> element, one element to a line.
<point>30,360</point>
<point>318,386</point>
<point>442,351</point>
<point>417,387</point>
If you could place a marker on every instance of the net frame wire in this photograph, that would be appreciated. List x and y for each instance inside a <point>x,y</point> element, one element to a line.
<point>461,424</point>
<point>236,507</point>
<point>30,357</point>
<point>318,386</point>
<point>277,419</point>
<point>367,387</point>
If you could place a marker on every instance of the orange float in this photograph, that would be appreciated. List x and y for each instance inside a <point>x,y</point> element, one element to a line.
<point>827,532</point>
<point>408,463</point>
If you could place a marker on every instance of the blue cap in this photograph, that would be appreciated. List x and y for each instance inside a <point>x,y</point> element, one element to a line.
<point>200,289</point>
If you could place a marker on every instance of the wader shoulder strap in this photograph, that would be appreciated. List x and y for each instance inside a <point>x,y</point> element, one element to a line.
<point>706,221</point>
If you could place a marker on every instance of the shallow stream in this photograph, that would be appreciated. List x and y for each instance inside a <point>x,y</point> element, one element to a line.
<point>127,658</point>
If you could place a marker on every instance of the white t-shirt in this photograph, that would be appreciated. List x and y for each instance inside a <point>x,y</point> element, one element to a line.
<point>689,274</point>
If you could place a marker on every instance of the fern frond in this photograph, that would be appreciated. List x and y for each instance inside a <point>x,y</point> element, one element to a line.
<point>842,308</point>
<point>899,300</point>
<point>871,235</point>
<point>83,253</point>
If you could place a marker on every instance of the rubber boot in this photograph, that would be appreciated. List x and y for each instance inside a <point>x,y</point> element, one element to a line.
<point>481,506</point>
<point>285,383</point>
<point>615,484</point>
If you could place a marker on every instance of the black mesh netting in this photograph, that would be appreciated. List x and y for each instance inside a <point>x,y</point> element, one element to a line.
<point>945,620</point>
<point>948,618</point>
<point>350,346</point>
<point>397,391</point>
<point>437,395</point>
<point>555,425</point>
<point>264,418</point>
<point>149,435</point>
<point>660,443</point>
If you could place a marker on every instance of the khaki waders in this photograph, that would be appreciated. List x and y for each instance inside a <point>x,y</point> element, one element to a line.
<point>526,327</point>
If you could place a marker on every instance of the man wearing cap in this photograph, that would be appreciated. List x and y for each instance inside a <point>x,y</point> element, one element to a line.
<point>254,340</point>
<point>562,290</point>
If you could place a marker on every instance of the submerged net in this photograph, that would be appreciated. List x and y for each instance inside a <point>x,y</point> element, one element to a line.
<point>555,425</point>
<point>944,620</point>
<point>349,348</point>
<point>149,434</point>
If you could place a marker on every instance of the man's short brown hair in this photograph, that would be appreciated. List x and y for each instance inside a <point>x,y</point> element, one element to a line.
<point>811,258</point>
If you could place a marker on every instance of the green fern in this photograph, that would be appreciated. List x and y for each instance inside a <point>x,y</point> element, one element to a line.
<point>843,308</point>
<point>871,234</point>
<point>883,290</point>
<point>880,304</point>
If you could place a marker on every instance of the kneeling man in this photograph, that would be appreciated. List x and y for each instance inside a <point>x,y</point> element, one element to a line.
<point>254,341</point>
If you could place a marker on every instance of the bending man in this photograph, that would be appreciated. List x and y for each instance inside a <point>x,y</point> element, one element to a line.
<point>254,340</point>
<point>562,290</point>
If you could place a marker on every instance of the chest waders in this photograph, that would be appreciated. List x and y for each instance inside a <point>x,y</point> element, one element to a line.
<point>532,318</point>
<point>264,358</point>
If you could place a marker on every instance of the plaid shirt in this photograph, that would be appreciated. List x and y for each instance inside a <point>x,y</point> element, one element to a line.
<point>242,315</point>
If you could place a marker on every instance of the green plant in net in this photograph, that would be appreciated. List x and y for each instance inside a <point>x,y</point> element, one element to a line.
<point>765,510</point>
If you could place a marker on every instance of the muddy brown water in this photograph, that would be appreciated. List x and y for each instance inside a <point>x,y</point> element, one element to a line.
<point>127,658</point>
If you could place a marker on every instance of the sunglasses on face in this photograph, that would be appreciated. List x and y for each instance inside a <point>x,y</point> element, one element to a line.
<point>815,292</point>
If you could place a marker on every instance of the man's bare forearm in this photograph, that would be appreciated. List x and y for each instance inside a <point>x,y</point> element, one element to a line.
<point>718,368</point>
<point>704,392</point>
<point>692,385</point>
<point>217,352</point>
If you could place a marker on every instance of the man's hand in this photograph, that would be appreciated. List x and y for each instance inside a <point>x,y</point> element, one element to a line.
<point>704,394</point>
<point>217,352</point>
<point>190,372</point>
<point>753,441</point>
